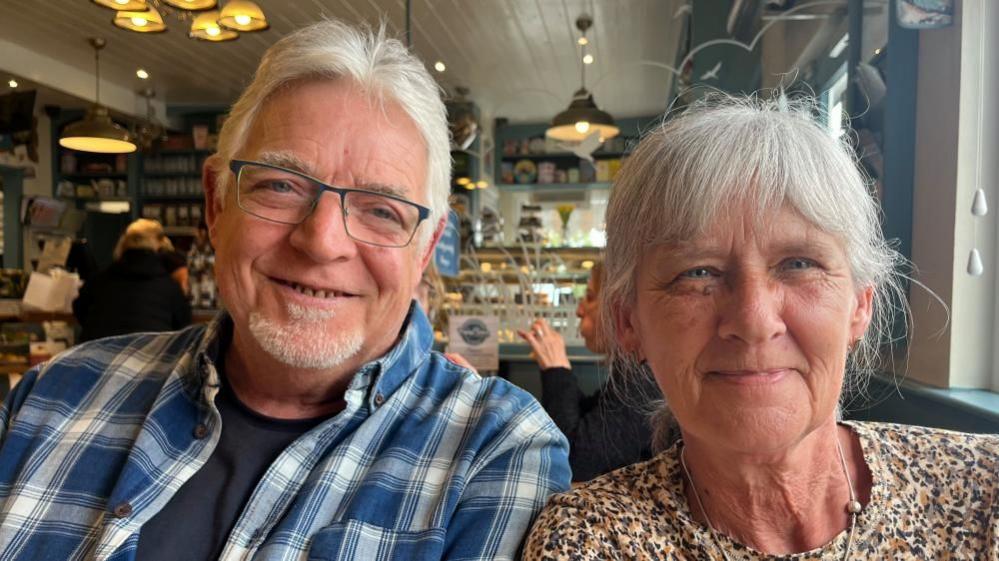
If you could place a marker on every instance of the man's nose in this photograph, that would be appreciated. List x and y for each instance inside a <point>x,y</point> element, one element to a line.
<point>323,235</point>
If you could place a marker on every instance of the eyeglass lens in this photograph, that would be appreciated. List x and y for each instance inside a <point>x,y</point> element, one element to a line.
<point>285,197</point>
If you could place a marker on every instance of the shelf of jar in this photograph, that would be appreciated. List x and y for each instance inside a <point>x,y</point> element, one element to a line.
<point>184,198</point>
<point>94,175</point>
<point>534,187</point>
<point>171,174</point>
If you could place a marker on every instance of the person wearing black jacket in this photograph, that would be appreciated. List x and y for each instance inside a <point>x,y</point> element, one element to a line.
<point>136,293</point>
<point>606,430</point>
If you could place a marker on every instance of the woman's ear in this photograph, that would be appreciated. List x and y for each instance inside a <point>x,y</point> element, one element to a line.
<point>626,331</point>
<point>862,313</point>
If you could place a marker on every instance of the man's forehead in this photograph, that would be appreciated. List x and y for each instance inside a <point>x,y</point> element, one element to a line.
<point>291,161</point>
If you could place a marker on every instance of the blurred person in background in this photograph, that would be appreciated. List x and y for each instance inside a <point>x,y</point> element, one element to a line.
<point>136,293</point>
<point>608,429</point>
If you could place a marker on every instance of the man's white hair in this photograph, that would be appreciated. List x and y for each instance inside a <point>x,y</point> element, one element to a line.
<point>382,67</point>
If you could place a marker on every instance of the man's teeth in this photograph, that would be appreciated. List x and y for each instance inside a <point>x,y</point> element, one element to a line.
<point>315,293</point>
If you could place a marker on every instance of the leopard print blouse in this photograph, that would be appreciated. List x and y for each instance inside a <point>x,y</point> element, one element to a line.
<point>934,497</point>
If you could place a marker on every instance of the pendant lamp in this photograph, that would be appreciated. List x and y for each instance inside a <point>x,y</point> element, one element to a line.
<point>206,28</point>
<point>148,21</point>
<point>97,132</point>
<point>582,118</point>
<point>192,5</point>
<point>243,15</point>
<point>129,5</point>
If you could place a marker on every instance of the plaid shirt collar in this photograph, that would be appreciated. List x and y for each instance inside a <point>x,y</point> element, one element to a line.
<point>387,373</point>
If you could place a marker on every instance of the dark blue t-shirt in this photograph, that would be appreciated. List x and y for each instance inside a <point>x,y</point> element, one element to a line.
<point>196,523</point>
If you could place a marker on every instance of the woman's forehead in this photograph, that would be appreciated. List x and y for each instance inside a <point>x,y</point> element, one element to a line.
<point>783,229</point>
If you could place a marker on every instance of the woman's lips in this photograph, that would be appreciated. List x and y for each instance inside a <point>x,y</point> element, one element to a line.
<point>749,377</point>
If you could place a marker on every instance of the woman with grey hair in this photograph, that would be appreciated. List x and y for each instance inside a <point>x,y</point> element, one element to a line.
<point>747,270</point>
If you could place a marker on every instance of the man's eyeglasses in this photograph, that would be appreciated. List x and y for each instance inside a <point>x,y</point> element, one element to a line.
<point>288,197</point>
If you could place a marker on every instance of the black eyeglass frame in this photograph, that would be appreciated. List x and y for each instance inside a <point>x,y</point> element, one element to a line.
<point>236,166</point>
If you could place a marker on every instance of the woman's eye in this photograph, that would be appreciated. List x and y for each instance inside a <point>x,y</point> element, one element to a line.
<point>697,273</point>
<point>797,264</point>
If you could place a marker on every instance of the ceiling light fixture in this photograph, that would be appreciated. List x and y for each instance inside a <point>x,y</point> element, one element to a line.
<point>587,59</point>
<point>582,117</point>
<point>583,40</point>
<point>142,74</point>
<point>243,15</point>
<point>128,5</point>
<point>97,132</point>
<point>12,83</point>
<point>146,16</point>
<point>192,5</point>
<point>439,66</point>
<point>147,21</point>
<point>206,27</point>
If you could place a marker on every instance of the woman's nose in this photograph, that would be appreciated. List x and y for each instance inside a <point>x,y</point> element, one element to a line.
<point>751,311</point>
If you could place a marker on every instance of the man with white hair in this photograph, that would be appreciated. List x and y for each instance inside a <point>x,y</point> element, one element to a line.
<point>310,419</point>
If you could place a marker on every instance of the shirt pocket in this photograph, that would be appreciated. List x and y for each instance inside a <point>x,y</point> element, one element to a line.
<point>354,539</point>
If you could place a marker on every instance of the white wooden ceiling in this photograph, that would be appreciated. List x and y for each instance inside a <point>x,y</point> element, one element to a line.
<point>519,58</point>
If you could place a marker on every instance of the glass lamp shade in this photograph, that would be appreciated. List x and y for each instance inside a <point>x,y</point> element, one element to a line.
<point>97,133</point>
<point>582,119</point>
<point>206,28</point>
<point>149,21</point>
<point>243,15</point>
<point>129,5</point>
<point>192,5</point>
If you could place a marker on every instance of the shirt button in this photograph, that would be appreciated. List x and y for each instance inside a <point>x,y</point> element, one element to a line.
<point>379,399</point>
<point>123,510</point>
<point>200,432</point>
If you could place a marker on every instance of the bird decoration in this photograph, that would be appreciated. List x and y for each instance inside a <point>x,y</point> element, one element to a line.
<point>712,74</point>
<point>585,148</point>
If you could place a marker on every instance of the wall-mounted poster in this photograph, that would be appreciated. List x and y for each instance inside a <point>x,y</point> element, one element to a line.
<point>925,14</point>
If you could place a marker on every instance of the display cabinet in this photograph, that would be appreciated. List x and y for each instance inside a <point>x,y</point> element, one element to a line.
<point>520,283</point>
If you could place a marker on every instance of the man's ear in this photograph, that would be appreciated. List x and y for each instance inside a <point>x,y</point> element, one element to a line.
<point>429,251</point>
<point>210,179</point>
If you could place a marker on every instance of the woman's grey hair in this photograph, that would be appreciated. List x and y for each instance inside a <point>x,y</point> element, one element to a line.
<point>724,151</point>
<point>383,67</point>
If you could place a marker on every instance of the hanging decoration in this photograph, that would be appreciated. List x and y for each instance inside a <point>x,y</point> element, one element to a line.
<point>979,208</point>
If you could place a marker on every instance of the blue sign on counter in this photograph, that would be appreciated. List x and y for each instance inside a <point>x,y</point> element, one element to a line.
<point>447,254</point>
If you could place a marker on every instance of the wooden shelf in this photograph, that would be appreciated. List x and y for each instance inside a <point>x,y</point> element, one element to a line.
<point>552,186</point>
<point>180,230</point>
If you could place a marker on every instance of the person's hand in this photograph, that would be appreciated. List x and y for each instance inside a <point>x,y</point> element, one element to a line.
<point>460,361</point>
<point>547,345</point>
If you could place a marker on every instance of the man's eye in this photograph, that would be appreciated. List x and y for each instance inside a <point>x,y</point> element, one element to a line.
<point>383,213</point>
<point>278,186</point>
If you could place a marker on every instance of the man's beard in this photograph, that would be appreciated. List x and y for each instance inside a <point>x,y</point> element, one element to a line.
<point>304,341</point>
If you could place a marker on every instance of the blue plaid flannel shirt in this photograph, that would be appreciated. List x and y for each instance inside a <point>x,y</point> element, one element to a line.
<point>427,461</point>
